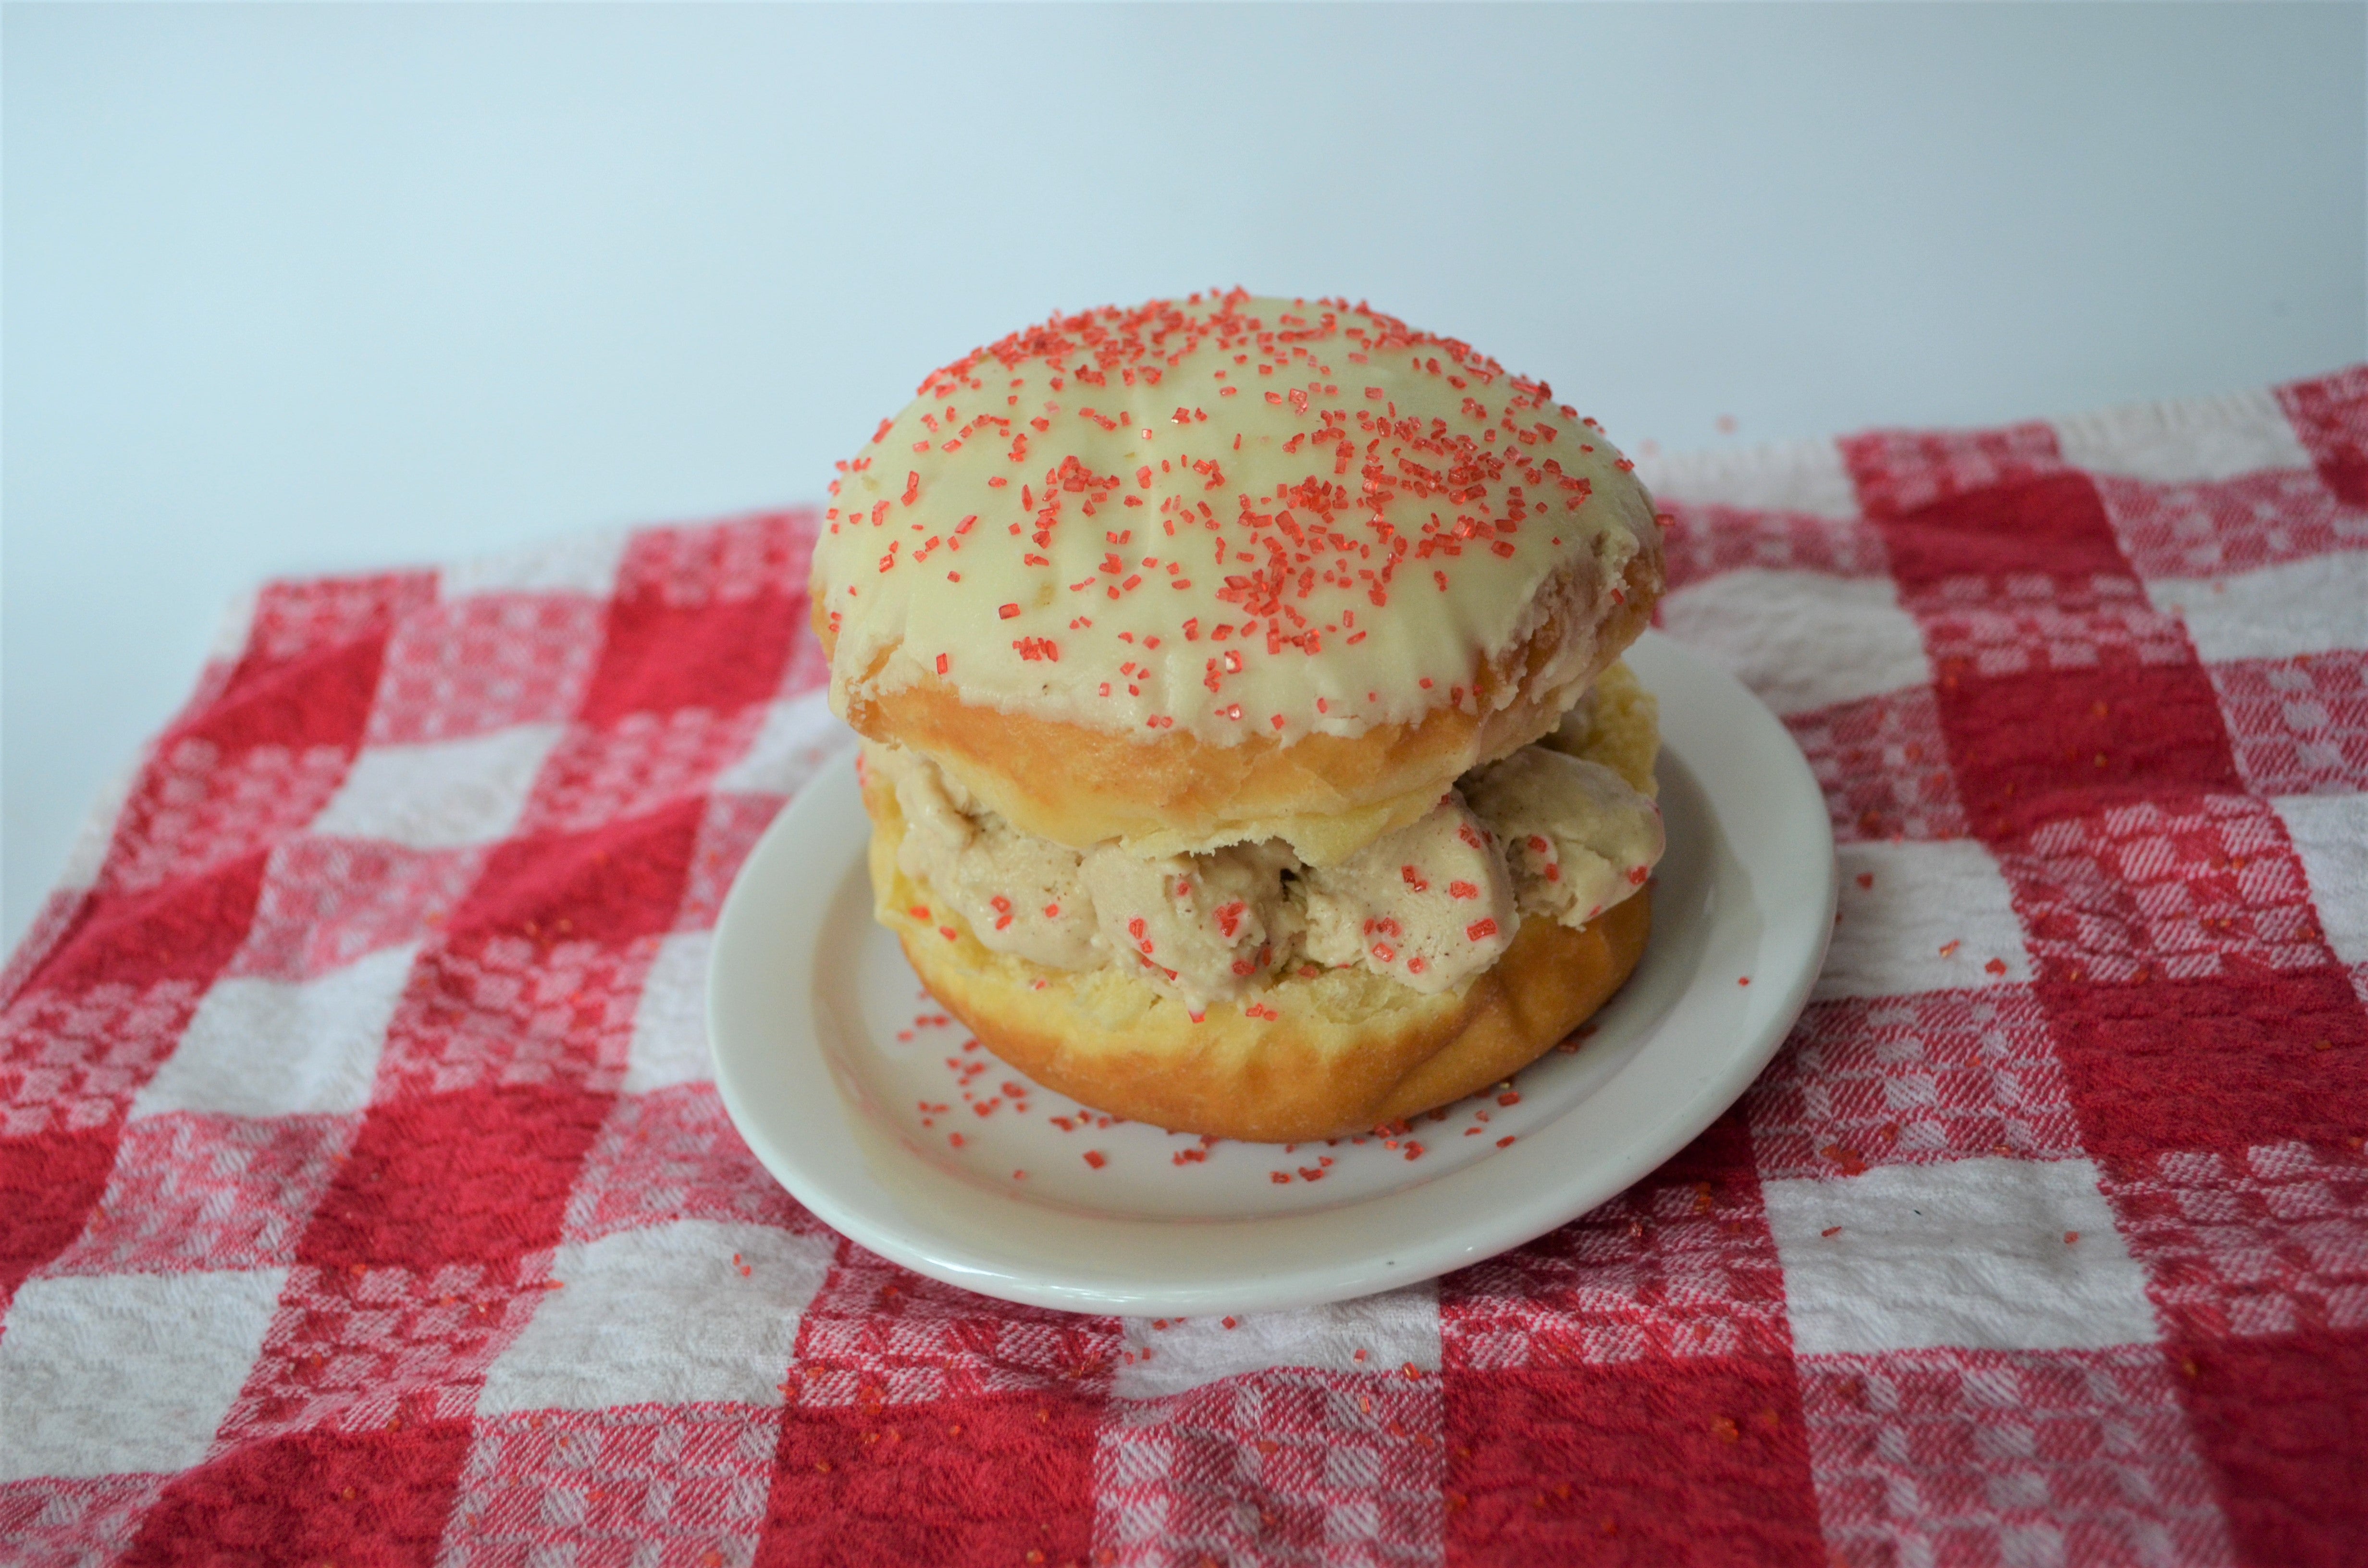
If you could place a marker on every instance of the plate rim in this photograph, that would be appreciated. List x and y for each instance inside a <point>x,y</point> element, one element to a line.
<point>881,1222</point>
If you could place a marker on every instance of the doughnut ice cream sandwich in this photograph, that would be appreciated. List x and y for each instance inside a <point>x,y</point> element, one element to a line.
<point>1243,739</point>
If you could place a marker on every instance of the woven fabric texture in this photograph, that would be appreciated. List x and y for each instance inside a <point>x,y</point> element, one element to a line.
<point>364,1198</point>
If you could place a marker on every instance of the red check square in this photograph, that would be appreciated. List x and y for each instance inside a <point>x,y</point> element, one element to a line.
<point>126,943</point>
<point>48,1183</point>
<point>2225,1063</point>
<point>364,1498</point>
<point>609,884</point>
<point>318,698</point>
<point>975,1477</point>
<point>2033,746</point>
<point>1698,1462</point>
<point>2049,527</point>
<point>2280,1419</point>
<point>476,1178</point>
<point>725,656</point>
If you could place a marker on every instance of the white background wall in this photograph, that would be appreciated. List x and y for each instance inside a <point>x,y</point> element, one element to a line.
<point>297,289</point>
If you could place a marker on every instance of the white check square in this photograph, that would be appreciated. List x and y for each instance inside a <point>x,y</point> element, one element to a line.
<point>1983,1254</point>
<point>2330,835</point>
<point>1802,641</point>
<point>1796,476</point>
<point>663,1316</point>
<point>670,1043</point>
<point>103,1374</point>
<point>283,1048</point>
<point>2297,607</point>
<point>1921,916</point>
<point>439,794</point>
<point>2179,443</point>
<point>585,563</point>
<point>1375,1334</point>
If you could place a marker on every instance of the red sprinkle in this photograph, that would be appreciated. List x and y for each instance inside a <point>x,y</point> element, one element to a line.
<point>1096,1158</point>
<point>1480,930</point>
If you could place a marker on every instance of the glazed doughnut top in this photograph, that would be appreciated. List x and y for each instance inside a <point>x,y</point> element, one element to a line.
<point>1154,520</point>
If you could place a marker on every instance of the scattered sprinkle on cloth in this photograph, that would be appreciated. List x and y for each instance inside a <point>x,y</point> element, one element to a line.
<point>364,1197</point>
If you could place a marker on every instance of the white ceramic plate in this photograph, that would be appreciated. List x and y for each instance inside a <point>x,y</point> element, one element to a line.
<point>886,1119</point>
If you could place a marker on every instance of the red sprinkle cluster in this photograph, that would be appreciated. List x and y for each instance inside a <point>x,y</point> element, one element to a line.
<point>1295,561</point>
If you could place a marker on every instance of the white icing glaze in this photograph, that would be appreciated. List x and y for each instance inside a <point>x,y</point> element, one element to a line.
<point>1230,515</point>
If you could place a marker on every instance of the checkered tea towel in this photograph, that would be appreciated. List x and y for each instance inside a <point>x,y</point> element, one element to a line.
<point>364,1198</point>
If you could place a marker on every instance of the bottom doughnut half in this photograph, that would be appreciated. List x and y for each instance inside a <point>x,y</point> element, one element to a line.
<point>1344,1050</point>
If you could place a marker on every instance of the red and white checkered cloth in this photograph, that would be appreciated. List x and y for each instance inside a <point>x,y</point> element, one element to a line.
<point>364,1198</point>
